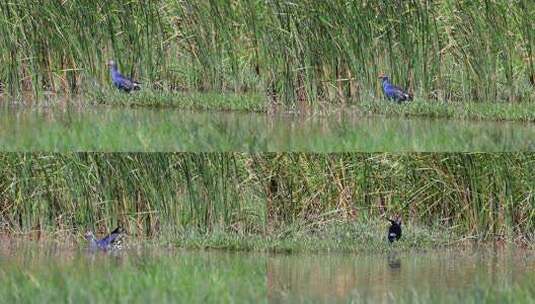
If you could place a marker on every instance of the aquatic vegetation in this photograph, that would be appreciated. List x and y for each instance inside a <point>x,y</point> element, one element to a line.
<point>141,129</point>
<point>295,53</point>
<point>284,200</point>
<point>161,276</point>
<point>32,273</point>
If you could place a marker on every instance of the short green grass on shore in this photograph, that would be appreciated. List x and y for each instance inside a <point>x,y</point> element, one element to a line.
<point>492,111</point>
<point>341,237</point>
<point>369,238</point>
<point>496,111</point>
<point>181,100</point>
<point>254,102</point>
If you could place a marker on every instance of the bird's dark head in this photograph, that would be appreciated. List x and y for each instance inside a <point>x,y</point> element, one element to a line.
<point>396,220</point>
<point>383,77</point>
<point>112,64</point>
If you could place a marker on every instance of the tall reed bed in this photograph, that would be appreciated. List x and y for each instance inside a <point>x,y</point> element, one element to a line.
<point>147,193</point>
<point>296,52</point>
<point>480,195</point>
<point>486,196</point>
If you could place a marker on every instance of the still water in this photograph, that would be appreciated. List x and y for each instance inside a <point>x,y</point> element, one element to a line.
<point>435,276</point>
<point>143,129</point>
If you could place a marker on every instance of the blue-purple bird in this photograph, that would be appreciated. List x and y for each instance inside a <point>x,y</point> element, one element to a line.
<point>121,82</point>
<point>393,92</point>
<point>112,242</point>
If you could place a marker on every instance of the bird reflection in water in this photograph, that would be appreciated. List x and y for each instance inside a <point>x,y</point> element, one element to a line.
<point>394,262</point>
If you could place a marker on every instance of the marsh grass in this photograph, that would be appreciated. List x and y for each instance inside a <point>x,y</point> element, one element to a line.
<point>232,197</point>
<point>296,53</point>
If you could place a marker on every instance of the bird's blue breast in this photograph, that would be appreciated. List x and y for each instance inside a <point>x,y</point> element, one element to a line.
<point>388,89</point>
<point>116,78</point>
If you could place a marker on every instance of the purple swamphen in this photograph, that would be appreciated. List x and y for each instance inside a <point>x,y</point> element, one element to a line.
<point>112,242</point>
<point>393,92</point>
<point>394,232</point>
<point>121,82</point>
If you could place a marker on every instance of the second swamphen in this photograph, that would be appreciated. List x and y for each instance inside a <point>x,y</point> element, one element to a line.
<point>393,92</point>
<point>111,242</point>
<point>394,232</point>
<point>120,81</point>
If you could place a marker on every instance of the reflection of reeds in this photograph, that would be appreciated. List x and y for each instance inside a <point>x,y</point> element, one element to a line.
<point>481,196</point>
<point>297,51</point>
<point>381,278</point>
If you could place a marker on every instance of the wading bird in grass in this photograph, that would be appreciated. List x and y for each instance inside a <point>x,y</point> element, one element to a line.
<point>394,231</point>
<point>393,92</point>
<point>112,242</point>
<point>121,82</point>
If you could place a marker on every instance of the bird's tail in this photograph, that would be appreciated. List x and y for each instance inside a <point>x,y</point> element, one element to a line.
<point>117,240</point>
<point>118,230</point>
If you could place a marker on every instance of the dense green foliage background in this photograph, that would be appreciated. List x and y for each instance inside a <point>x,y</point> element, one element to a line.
<point>296,52</point>
<point>485,196</point>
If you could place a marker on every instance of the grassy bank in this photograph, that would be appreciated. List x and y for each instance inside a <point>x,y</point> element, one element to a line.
<point>491,111</point>
<point>295,53</point>
<point>359,236</point>
<point>524,112</point>
<point>256,102</point>
<point>284,197</point>
<point>189,101</point>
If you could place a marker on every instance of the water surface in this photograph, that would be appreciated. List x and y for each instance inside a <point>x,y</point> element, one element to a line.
<point>435,276</point>
<point>52,273</point>
<point>144,129</point>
